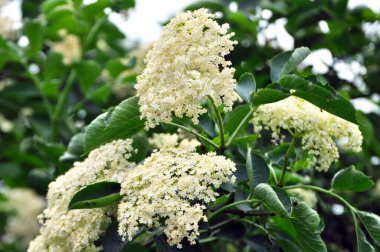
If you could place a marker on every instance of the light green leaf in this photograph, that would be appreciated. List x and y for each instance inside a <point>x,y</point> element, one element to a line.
<point>321,96</point>
<point>308,227</point>
<point>33,30</point>
<point>123,122</point>
<point>249,168</point>
<point>268,196</point>
<point>350,179</point>
<point>286,62</point>
<point>88,72</point>
<point>371,222</point>
<point>96,195</point>
<point>246,86</point>
<point>74,149</point>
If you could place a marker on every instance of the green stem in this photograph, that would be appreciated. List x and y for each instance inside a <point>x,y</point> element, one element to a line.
<point>209,239</point>
<point>232,137</point>
<point>37,82</point>
<point>287,154</point>
<point>61,103</point>
<point>194,132</point>
<point>327,192</point>
<point>219,120</point>
<point>212,215</point>
<point>254,224</point>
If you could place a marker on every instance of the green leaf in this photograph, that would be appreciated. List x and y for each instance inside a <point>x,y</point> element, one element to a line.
<point>96,195</point>
<point>268,196</point>
<point>89,72</point>
<point>350,179</point>
<point>268,95</point>
<point>286,62</point>
<point>308,227</point>
<point>362,244</point>
<point>33,30</point>
<point>371,222</point>
<point>321,96</point>
<point>260,169</point>
<point>75,148</point>
<point>123,122</point>
<point>246,86</point>
<point>284,198</point>
<point>234,118</point>
<point>249,168</point>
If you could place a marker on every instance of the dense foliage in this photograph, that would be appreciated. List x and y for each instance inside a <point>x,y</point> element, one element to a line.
<point>220,141</point>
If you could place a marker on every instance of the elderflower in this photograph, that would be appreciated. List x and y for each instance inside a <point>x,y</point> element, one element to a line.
<point>185,66</point>
<point>307,196</point>
<point>171,190</point>
<point>69,47</point>
<point>162,140</point>
<point>8,26</point>
<point>319,130</point>
<point>77,230</point>
<point>22,225</point>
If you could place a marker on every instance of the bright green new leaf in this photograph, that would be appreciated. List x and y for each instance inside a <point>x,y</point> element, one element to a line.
<point>249,168</point>
<point>371,222</point>
<point>246,86</point>
<point>96,195</point>
<point>350,179</point>
<point>286,62</point>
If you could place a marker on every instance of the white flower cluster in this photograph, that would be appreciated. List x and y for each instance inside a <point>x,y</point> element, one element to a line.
<point>171,190</point>
<point>307,196</point>
<point>185,66</point>
<point>161,140</point>
<point>69,47</point>
<point>22,225</point>
<point>8,27</point>
<point>319,130</point>
<point>76,230</point>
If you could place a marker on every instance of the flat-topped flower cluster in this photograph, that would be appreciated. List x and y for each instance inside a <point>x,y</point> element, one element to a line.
<point>319,130</point>
<point>171,190</point>
<point>77,230</point>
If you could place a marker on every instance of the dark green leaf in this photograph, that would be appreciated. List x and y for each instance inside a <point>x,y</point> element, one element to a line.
<point>362,244</point>
<point>234,118</point>
<point>260,170</point>
<point>308,227</point>
<point>350,179</point>
<point>284,198</point>
<point>371,222</point>
<point>75,148</point>
<point>246,86</point>
<point>96,195</point>
<point>268,95</point>
<point>320,96</point>
<point>268,196</point>
<point>286,62</point>
<point>124,121</point>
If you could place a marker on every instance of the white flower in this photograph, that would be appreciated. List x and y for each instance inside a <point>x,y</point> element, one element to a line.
<point>320,131</point>
<point>171,190</point>
<point>69,47</point>
<point>22,225</point>
<point>185,66</point>
<point>161,140</point>
<point>77,230</point>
